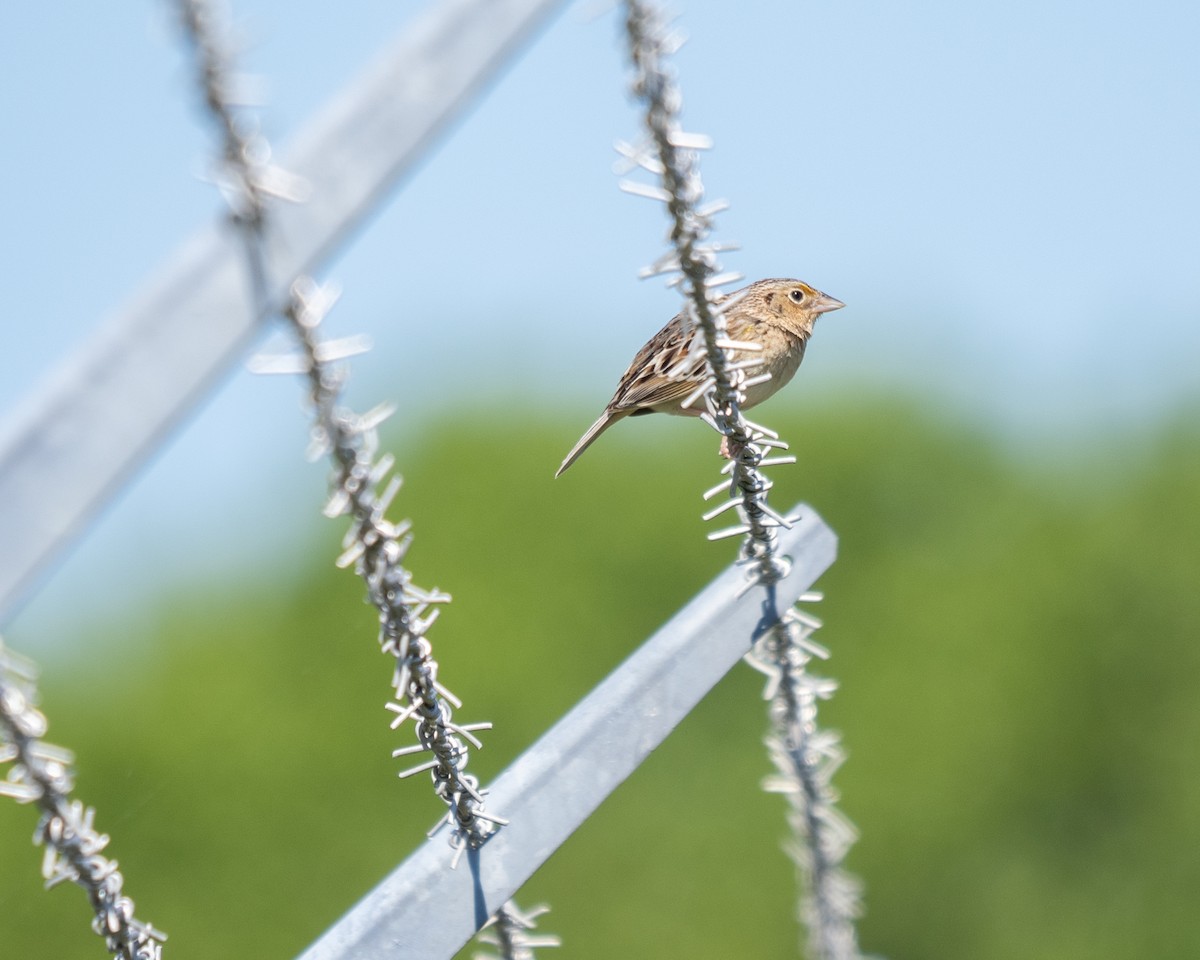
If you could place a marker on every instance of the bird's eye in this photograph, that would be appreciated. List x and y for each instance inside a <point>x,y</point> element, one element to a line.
<point>797,296</point>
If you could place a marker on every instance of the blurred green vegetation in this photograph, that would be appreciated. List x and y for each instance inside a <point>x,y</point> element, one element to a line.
<point>1016,644</point>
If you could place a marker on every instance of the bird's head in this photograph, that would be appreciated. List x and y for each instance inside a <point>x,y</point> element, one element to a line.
<point>794,303</point>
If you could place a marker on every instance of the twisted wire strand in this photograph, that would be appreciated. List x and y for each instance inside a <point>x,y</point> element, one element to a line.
<point>805,757</point>
<point>362,483</point>
<point>40,773</point>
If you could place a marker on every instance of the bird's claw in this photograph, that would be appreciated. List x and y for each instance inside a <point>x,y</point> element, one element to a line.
<point>731,449</point>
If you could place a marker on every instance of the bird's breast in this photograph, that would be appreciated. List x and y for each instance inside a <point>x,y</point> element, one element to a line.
<point>782,367</point>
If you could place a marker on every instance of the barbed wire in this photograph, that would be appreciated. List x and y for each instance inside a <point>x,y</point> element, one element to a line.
<point>669,153</point>
<point>40,773</point>
<point>376,548</point>
<point>805,757</point>
<point>509,930</point>
<point>362,483</point>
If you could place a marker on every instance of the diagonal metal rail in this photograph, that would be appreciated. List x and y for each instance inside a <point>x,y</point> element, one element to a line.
<point>72,444</point>
<point>424,910</point>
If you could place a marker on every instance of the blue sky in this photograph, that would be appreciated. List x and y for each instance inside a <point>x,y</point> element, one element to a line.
<point>1005,195</point>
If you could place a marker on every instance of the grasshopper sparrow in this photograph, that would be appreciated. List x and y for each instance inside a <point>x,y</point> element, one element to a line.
<point>778,315</point>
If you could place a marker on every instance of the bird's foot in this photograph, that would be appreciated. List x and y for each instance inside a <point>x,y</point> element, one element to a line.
<point>731,449</point>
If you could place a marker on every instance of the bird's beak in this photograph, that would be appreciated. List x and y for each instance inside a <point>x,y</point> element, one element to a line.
<point>826,304</point>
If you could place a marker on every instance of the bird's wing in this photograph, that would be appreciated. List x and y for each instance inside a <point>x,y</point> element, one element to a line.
<point>665,370</point>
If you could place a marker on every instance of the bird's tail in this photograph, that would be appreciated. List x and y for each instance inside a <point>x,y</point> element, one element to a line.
<point>606,420</point>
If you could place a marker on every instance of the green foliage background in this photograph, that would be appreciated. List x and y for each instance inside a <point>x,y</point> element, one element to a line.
<point>1015,643</point>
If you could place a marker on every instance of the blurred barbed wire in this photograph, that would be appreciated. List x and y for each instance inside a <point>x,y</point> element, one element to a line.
<point>41,774</point>
<point>806,758</point>
<point>510,931</point>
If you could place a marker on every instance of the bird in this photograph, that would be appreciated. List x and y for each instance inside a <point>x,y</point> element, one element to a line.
<point>776,314</point>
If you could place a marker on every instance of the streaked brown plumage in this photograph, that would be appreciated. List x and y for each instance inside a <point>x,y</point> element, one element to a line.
<point>779,315</point>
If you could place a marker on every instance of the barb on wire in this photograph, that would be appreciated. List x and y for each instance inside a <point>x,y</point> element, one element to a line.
<point>670,155</point>
<point>510,931</point>
<point>362,482</point>
<point>805,759</point>
<point>40,773</point>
